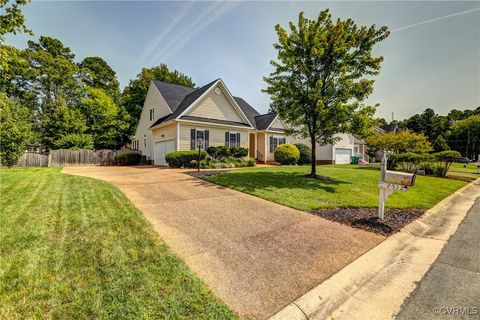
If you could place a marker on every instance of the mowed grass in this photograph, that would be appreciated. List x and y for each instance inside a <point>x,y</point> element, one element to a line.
<point>352,186</point>
<point>76,248</point>
<point>464,170</point>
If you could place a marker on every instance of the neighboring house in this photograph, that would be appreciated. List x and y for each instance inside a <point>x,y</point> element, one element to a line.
<point>176,118</point>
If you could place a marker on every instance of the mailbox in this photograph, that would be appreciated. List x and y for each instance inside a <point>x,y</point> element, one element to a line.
<point>400,178</point>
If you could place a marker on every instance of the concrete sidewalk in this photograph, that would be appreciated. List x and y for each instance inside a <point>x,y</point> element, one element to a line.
<point>451,288</point>
<point>375,285</point>
<point>255,255</point>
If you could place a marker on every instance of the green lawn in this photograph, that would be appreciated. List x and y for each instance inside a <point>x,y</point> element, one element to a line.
<point>352,186</point>
<point>76,248</point>
<point>465,170</point>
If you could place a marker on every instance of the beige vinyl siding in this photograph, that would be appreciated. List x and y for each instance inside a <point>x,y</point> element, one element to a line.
<point>168,132</point>
<point>270,156</point>
<point>321,153</point>
<point>154,100</point>
<point>216,107</point>
<point>216,135</point>
<point>261,146</point>
<point>277,124</point>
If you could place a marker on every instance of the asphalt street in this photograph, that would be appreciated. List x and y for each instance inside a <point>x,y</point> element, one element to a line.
<point>451,288</point>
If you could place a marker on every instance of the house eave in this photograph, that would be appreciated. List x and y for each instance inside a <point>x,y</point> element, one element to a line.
<point>214,124</point>
<point>163,124</point>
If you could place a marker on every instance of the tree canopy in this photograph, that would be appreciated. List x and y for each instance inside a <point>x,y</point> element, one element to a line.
<point>98,74</point>
<point>322,76</point>
<point>12,19</point>
<point>15,130</point>
<point>399,142</point>
<point>442,131</point>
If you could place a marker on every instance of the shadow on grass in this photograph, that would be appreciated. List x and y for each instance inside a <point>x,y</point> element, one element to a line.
<point>257,180</point>
<point>367,168</point>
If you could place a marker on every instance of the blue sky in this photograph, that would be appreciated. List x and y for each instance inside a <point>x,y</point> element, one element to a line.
<point>432,58</point>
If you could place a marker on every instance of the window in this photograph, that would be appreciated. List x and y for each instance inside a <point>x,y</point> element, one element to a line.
<point>197,136</point>
<point>145,140</point>
<point>232,139</point>
<point>276,141</point>
<point>152,114</point>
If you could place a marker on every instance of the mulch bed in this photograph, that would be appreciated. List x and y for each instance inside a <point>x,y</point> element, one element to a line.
<point>206,173</point>
<point>366,218</point>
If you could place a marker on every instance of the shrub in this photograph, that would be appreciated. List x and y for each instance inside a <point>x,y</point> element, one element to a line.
<point>127,159</point>
<point>75,142</point>
<point>226,163</point>
<point>219,152</point>
<point>15,130</point>
<point>238,152</point>
<point>444,161</point>
<point>408,162</point>
<point>305,153</point>
<point>286,154</point>
<point>183,159</point>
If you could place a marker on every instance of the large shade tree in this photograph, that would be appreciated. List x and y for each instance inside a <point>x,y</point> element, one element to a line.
<point>96,73</point>
<point>135,92</point>
<point>322,76</point>
<point>468,131</point>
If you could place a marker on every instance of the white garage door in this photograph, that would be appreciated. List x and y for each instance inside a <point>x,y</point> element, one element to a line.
<point>161,149</point>
<point>343,156</point>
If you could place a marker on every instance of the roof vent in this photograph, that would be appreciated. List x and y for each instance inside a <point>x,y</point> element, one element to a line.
<point>218,91</point>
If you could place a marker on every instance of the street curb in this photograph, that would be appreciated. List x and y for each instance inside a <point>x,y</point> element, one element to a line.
<point>375,285</point>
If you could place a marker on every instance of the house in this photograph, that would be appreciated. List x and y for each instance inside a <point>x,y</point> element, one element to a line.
<point>176,118</point>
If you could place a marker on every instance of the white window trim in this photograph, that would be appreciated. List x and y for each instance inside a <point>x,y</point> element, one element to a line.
<point>277,137</point>
<point>196,136</point>
<point>235,133</point>
<point>152,114</point>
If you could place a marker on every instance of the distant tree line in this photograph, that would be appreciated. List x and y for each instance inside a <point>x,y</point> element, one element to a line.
<point>50,100</point>
<point>458,130</point>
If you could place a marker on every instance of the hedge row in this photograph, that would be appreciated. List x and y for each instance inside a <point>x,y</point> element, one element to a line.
<point>219,152</point>
<point>127,159</point>
<point>183,159</point>
<point>434,163</point>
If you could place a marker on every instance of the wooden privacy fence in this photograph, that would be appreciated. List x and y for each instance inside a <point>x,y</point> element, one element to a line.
<point>66,157</point>
<point>30,159</point>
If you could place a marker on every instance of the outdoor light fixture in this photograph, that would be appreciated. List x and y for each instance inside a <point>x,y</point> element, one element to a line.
<point>199,141</point>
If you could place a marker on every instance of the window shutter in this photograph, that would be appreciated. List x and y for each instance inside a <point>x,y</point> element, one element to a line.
<point>206,138</point>
<point>193,135</point>
<point>271,144</point>
<point>227,135</point>
<point>238,140</point>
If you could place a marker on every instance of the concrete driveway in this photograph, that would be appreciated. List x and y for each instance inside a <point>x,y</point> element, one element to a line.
<point>257,256</point>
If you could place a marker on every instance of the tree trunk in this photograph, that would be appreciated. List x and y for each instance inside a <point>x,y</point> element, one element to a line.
<point>313,171</point>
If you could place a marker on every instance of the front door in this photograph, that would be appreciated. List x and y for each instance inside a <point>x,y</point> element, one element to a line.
<point>251,148</point>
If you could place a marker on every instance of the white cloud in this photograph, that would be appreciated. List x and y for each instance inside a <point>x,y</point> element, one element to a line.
<point>204,19</point>
<point>435,19</point>
<point>153,45</point>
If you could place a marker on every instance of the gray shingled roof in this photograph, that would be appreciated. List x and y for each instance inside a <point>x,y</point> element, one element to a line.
<point>172,93</point>
<point>263,121</point>
<point>179,98</point>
